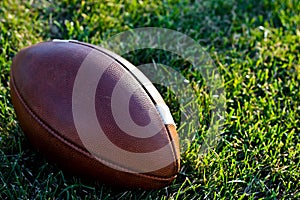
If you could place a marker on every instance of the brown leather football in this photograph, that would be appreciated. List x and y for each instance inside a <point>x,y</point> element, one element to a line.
<point>94,114</point>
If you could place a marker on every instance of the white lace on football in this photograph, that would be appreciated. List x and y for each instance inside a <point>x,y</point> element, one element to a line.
<point>165,113</point>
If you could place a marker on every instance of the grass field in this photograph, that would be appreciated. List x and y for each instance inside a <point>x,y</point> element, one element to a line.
<point>254,43</point>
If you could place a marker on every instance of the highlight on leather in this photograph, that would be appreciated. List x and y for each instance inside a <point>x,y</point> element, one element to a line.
<point>91,75</point>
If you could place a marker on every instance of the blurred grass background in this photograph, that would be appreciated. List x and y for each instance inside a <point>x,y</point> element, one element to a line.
<point>255,44</point>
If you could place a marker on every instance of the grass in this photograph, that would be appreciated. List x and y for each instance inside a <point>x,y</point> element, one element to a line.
<point>255,45</point>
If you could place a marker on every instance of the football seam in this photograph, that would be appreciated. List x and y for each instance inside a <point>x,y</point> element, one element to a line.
<point>173,150</point>
<point>118,61</point>
<point>174,154</point>
<point>80,149</point>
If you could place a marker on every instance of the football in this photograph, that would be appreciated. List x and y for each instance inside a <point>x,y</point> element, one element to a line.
<point>94,114</point>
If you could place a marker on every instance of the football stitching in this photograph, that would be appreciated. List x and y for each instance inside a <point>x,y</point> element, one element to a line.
<point>98,49</point>
<point>79,149</point>
<point>173,149</point>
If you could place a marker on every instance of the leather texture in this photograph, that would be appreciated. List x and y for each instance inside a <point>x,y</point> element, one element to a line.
<point>42,81</point>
